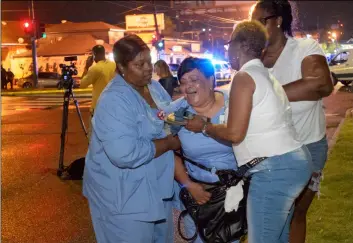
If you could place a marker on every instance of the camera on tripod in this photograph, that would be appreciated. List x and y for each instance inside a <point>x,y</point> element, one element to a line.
<point>67,71</point>
<point>67,81</point>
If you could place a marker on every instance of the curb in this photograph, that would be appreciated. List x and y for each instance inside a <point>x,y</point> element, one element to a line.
<point>333,140</point>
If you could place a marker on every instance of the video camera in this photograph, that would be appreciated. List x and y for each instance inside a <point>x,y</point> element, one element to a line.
<point>67,71</point>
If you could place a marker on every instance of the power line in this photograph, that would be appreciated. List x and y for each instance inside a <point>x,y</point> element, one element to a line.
<point>138,9</point>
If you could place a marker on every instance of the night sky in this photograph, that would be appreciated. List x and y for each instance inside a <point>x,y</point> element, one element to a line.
<point>311,13</point>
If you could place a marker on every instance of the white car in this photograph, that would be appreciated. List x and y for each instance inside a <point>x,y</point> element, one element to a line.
<point>222,70</point>
<point>341,67</point>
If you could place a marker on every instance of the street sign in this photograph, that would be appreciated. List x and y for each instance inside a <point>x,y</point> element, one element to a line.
<point>144,22</point>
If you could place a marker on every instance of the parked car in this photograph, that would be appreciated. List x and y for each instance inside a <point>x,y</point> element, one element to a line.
<point>45,80</point>
<point>222,69</point>
<point>341,67</point>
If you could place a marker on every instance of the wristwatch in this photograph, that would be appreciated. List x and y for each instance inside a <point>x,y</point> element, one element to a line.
<point>204,129</point>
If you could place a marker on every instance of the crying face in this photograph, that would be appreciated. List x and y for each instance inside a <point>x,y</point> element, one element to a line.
<point>195,87</point>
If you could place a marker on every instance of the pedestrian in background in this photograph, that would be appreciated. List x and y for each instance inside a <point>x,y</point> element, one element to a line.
<point>10,78</point>
<point>300,66</point>
<point>98,75</point>
<point>3,78</point>
<point>129,170</point>
<point>166,78</point>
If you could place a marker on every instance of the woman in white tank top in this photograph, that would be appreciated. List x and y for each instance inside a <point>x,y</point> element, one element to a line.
<point>260,125</point>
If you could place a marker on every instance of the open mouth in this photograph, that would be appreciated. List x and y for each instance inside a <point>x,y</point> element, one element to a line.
<point>191,93</point>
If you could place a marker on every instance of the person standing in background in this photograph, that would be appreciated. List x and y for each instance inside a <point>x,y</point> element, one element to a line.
<point>98,76</point>
<point>166,78</point>
<point>3,78</point>
<point>10,78</point>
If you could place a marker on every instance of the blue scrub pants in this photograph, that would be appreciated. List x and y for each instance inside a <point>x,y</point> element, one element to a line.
<point>110,229</point>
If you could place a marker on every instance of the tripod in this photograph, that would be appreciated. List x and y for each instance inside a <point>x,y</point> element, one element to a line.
<point>64,125</point>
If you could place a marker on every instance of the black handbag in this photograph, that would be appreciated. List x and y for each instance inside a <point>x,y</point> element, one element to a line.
<point>213,224</point>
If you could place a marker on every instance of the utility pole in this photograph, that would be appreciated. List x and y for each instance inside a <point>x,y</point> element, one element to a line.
<point>34,48</point>
<point>156,27</point>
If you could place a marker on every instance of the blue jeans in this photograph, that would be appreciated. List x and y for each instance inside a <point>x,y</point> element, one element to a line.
<point>318,152</point>
<point>275,184</point>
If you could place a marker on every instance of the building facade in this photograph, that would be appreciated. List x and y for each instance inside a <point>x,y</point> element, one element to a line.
<point>67,39</point>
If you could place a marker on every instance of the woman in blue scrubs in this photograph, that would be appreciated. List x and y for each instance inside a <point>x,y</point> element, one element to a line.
<point>197,83</point>
<point>128,177</point>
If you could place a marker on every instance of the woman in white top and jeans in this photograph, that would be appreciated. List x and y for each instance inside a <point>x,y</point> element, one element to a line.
<point>300,66</point>
<point>259,125</point>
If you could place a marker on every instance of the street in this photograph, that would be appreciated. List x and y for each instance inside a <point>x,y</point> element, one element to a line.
<point>16,105</point>
<point>37,206</point>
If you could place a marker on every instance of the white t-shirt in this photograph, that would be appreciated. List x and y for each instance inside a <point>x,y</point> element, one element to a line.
<point>271,131</point>
<point>308,116</point>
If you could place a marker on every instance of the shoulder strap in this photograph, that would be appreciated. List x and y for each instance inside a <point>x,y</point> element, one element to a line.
<point>192,162</point>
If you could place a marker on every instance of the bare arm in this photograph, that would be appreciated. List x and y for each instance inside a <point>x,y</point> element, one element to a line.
<point>196,190</point>
<point>165,144</point>
<point>316,80</point>
<point>180,174</point>
<point>240,106</point>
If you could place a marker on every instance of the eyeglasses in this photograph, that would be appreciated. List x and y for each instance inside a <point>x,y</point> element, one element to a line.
<point>264,20</point>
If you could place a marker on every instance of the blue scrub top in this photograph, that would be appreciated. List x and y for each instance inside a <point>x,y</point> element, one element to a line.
<point>206,150</point>
<point>121,177</point>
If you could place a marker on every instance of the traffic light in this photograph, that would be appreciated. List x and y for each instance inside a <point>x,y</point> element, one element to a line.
<point>28,28</point>
<point>41,31</point>
<point>160,45</point>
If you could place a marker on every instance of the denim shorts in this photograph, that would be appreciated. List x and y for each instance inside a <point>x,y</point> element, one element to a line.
<point>318,152</point>
<point>275,183</point>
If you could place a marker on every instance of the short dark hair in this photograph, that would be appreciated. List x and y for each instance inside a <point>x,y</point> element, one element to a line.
<point>126,49</point>
<point>204,65</point>
<point>98,49</point>
<point>280,8</point>
<point>253,34</point>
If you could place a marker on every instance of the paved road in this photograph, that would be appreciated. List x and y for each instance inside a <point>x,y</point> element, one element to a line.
<point>37,207</point>
<point>16,105</point>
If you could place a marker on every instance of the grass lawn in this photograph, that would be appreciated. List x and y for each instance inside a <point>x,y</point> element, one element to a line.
<point>331,217</point>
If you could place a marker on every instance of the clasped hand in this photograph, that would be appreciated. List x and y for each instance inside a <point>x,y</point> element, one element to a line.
<point>196,124</point>
<point>200,195</point>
